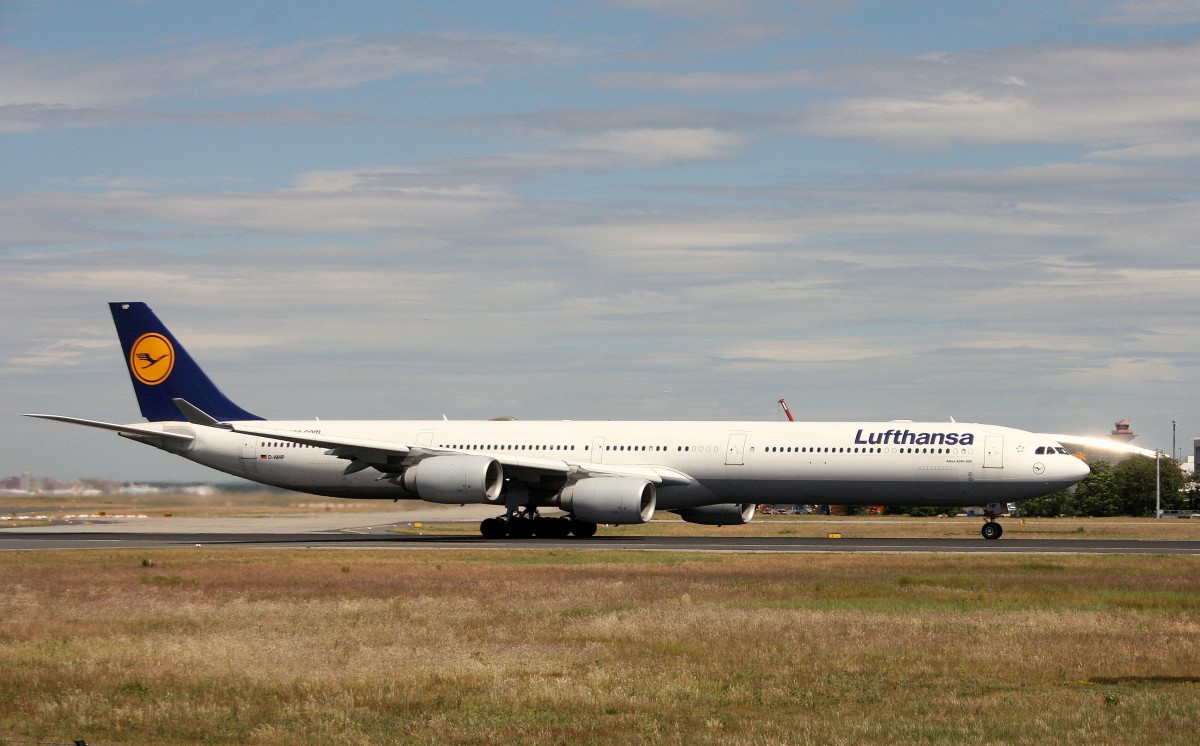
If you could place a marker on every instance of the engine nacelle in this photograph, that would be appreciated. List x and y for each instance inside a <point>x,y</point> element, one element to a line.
<point>726,514</point>
<point>455,480</point>
<point>610,500</point>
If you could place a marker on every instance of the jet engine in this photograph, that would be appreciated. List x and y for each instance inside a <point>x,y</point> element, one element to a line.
<point>609,500</point>
<point>725,514</point>
<point>455,480</point>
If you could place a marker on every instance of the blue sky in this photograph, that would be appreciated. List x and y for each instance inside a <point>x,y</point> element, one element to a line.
<point>636,209</point>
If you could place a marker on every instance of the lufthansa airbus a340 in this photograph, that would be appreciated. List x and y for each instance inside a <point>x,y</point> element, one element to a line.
<point>603,472</point>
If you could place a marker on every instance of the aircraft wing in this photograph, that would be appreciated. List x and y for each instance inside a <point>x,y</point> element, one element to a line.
<point>318,440</point>
<point>386,456</point>
<point>390,456</point>
<point>576,470</point>
<point>651,473</point>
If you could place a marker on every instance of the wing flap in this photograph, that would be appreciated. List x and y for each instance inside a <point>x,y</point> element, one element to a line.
<point>654,474</point>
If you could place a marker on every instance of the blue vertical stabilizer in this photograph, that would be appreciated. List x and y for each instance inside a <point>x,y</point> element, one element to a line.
<point>162,370</point>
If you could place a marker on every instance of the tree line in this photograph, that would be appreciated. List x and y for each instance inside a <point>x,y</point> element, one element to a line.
<point>1127,488</point>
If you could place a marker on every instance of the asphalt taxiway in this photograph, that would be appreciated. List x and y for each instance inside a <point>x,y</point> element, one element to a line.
<point>378,537</point>
<point>373,530</point>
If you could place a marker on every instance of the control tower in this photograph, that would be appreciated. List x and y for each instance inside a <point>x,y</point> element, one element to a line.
<point>1121,432</point>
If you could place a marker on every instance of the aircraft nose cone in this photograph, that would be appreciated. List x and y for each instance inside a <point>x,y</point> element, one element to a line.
<point>1078,470</point>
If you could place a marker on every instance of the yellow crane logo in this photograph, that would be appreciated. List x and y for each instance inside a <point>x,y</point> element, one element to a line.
<point>151,358</point>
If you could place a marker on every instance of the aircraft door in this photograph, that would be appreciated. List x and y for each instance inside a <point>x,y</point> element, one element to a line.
<point>993,452</point>
<point>249,446</point>
<point>598,449</point>
<point>735,451</point>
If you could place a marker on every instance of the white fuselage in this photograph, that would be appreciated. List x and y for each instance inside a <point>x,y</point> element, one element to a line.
<point>865,463</point>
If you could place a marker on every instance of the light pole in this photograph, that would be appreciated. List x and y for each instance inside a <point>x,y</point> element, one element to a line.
<point>1157,485</point>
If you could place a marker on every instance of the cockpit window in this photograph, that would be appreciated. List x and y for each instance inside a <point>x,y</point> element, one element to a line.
<point>1040,450</point>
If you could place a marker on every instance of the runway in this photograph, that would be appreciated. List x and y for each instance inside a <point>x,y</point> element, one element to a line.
<point>379,538</point>
<point>372,530</point>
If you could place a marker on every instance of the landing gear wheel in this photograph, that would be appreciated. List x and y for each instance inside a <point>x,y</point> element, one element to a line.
<point>992,530</point>
<point>493,528</point>
<point>583,529</point>
<point>551,528</point>
<point>520,528</point>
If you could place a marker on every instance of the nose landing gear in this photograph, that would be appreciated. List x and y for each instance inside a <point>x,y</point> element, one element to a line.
<point>992,530</point>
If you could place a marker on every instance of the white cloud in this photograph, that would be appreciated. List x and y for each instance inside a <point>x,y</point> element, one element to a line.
<point>54,353</point>
<point>693,8</point>
<point>812,351</point>
<point>1151,13</point>
<point>79,80</point>
<point>300,213</point>
<point>1091,95</point>
<point>731,23</point>
<point>21,118</point>
<point>568,124</point>
<point>1181,149</point>
<point>617,149</point>
<point>656,147</point>
<point>352,180</point>
<point>710,82</point>
<point>323,203</point>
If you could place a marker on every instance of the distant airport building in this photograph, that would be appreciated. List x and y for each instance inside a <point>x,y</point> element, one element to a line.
<point>1121,432</point>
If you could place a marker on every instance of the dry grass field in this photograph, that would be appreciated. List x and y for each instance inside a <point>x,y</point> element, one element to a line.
<point>874,527</point>
<point>238,646</point>
<point>223,504</point>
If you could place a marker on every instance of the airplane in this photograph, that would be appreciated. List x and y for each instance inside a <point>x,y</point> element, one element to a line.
<point>599,472</point>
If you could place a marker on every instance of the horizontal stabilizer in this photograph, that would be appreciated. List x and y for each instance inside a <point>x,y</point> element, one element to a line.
<point>132,430</point>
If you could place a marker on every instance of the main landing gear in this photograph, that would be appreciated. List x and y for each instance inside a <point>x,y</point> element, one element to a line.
<point>523,525</point>
<point>992,530</point>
